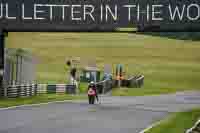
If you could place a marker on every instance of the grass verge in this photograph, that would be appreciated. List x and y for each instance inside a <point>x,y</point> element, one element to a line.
<point>83,87</point>
<point>143,91</point>
<point>43,98</point>
<point>177,122</point>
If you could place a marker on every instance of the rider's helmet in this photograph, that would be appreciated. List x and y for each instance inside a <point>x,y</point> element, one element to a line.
<point>92,83</point>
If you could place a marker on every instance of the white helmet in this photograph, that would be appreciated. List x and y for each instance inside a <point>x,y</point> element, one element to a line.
<point>92,82</point>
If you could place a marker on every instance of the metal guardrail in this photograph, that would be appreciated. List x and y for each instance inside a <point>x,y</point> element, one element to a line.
<point>14,91</point>
<point>107,85</point>
<point>104,86</point>
<point>136,81</point>
<point>23,90</point>
<point>133,82</point>
<point>195,128</point>
<point>61,88</point>
<point>1,92</point>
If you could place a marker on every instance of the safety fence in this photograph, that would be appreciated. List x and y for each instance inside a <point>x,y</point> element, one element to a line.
<point>1,92</point>
<point>133,82</point>
<point>25,90</point>
<point>32,89</point>
<point>104,86</point>
<point>136,81</point>
<point>195,128</point>
<point>56,88</point>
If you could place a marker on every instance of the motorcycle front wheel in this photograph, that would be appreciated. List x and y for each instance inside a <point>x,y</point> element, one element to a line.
<point>91,99</point>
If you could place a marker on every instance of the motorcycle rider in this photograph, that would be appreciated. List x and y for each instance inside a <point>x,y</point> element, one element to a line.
<point>93,86</point>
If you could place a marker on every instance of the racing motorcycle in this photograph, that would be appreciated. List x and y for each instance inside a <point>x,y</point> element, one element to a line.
<point>91,96</point>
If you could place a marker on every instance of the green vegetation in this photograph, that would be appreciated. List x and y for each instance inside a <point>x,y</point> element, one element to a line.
<point>37,99</point>
<point>177,123</point>
<point>141,91</point>
<point>126,29</point>
<point>83,87</point>
<point>168,65</point>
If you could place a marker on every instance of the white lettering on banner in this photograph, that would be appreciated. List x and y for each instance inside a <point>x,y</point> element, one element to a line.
<point>104,13</point>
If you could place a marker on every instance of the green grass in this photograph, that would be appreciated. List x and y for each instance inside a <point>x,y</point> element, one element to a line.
<point>37,99</point>
<point>168,65</point>
<point>127,29</point>
<point>177,123</point>
<point>141,91</point>
<point>83,87</point>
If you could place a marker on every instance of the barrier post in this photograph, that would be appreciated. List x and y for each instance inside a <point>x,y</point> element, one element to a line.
<point>2,40</point>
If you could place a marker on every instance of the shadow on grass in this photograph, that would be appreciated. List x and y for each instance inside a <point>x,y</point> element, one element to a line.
<point>193,36</point>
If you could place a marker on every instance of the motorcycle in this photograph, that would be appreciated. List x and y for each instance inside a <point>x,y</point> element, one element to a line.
<point>91,96</point>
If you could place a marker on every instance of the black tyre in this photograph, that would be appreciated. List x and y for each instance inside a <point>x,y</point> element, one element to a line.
<point>92,99</point>
<point>89,99</point>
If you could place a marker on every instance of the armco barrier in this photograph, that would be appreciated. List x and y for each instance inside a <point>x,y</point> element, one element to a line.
<point>104,86</point>
<point>195,128</point>
<point>42,88</point>
<point>24,90</point>
<point>133,82</point>
<point>60,88</point>
<point>71,89</point>
<point>51,88</point>
<point>140,81</point>
<point>56,88</point>
<point>136,82</point>
<point>1,92</point>
<point>99,88</point>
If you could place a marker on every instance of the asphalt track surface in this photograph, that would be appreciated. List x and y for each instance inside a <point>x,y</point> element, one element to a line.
<point>113,115</point>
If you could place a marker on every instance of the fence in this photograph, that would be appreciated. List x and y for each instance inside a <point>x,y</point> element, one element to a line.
<point>195,128</point>
<point>136,82</point>
<point>13,91</point>
<point>133,82</point>
<point>24,90</point>
<point>56,88</point>
<point>104,86</point>
<point>1,90</point>
<point>107,85</point>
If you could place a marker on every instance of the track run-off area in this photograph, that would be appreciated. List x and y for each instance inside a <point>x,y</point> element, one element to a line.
<point>114,115</point>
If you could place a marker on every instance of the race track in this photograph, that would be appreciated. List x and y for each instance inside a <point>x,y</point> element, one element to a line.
<point>114,115</point>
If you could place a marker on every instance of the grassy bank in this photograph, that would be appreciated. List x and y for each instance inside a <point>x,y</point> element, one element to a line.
<point>141,91</point>
<point>37,99</point>
<point>168,65</point>
<point>83,87</point>
<point>177,123</point>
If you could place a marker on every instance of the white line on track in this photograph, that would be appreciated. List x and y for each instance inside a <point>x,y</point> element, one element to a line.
<point>150,127</point>
<point>30,105</point>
